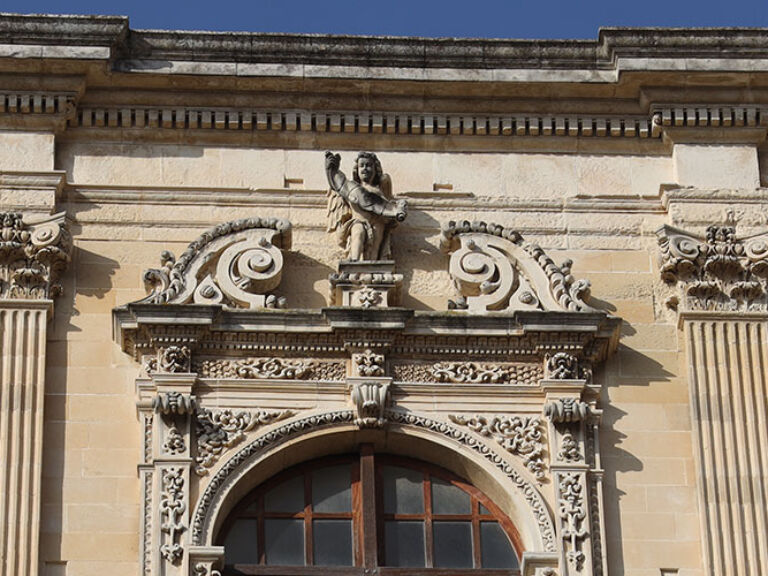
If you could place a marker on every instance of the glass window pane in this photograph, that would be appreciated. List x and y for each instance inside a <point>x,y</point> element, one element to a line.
<point>287,497</point>
<point>404,543</point>
<point>452,543</point>
<point>284,541</point>
<point>240,547</point>
<point>496,549</point>
<point>331,489</point>
<point>403,490</point>
<point>332,542</point>
<point>449,499</point>
<point>484,510</point>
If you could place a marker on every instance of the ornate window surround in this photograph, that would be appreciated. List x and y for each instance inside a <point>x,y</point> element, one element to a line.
<point>236,386</point>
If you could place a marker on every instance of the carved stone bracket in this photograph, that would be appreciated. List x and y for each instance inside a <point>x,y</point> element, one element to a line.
<point>493,268</point>
<point>219,430</point>
<point>566,410</point>
<point>717,271</point>
<point>237,264</point>
<point>519,435</point>
<point>32,256</point>
<point>371,399</point>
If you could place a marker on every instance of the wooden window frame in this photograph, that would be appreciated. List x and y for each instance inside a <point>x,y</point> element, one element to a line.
<point>368,519</point>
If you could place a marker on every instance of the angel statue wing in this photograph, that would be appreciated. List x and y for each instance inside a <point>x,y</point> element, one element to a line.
<point>338,211</point>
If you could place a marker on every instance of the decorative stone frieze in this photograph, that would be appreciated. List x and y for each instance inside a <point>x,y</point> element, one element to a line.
<point>219,430</point>
<point>469,373</point>
<point>493,268</point>
<point>520,435</point>
<point>717,271</point>
<point>257,368</point>
<point>236,264</point>
<point>371,399</point>
<point>32,256</point>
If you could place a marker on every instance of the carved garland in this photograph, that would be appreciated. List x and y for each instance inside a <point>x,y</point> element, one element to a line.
<point>521,436</point>
<point>226,474</point>
<point>573,513</point>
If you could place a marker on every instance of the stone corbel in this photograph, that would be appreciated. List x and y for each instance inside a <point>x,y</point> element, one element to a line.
<point>371,398</point>
<point>539,564</point>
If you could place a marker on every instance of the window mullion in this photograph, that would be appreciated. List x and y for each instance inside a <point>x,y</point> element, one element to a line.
<point>368,504</point>
<point>428,521</point>
<point>308,556</point>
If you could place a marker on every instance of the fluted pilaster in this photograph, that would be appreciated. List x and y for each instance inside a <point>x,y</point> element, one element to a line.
<point>728,361</point>
<point>22,387</point>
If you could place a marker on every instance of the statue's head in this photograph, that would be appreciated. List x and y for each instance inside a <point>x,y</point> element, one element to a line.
<point>367,169</point>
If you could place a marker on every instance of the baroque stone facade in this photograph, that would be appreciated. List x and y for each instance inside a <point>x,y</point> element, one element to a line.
<point>544,276</point>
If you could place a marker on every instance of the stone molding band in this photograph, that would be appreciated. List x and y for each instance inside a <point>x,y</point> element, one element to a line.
<point>408,123</point>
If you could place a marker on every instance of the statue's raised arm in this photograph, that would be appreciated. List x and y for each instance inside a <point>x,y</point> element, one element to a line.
<point>362,210</point>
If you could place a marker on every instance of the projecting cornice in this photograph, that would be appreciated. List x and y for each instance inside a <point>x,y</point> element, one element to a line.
<point>109,37</point>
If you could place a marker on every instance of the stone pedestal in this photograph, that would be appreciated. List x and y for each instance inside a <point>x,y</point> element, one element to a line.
<point>366,284</point>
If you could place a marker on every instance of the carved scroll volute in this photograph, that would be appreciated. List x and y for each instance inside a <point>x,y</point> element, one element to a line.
<point>237,264</point>
<point>493,268</point>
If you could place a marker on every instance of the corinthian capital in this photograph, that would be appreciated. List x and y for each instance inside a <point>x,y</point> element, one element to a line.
<point>32,256</point>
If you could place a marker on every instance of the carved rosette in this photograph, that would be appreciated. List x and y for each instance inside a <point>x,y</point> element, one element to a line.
<point>717,271</point>
<point>33,257</point>
<point>237,264</point>
<point>493,268</point>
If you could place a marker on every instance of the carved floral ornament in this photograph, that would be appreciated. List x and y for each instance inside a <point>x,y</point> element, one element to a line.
<point>717,271</point>
<point>32,256</point>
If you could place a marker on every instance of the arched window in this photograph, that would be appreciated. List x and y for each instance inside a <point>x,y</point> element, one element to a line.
<point>367,511</point>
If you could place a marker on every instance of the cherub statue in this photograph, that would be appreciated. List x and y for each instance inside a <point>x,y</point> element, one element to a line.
<point>362,211</point>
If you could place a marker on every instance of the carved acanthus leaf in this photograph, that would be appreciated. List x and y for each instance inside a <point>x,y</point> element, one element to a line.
<point>33,257</point>
<point>717,271</point>
<point>518,435</point>
<point>369,363</point>
<point>219,430</point>
<point>256,368</point>
<point>237,263</point>
<point>493,268</point>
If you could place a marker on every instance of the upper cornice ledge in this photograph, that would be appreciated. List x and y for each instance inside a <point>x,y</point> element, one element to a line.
<point>158,51</point>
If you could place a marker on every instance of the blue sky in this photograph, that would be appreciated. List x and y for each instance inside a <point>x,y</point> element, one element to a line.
<point>467,18</point>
